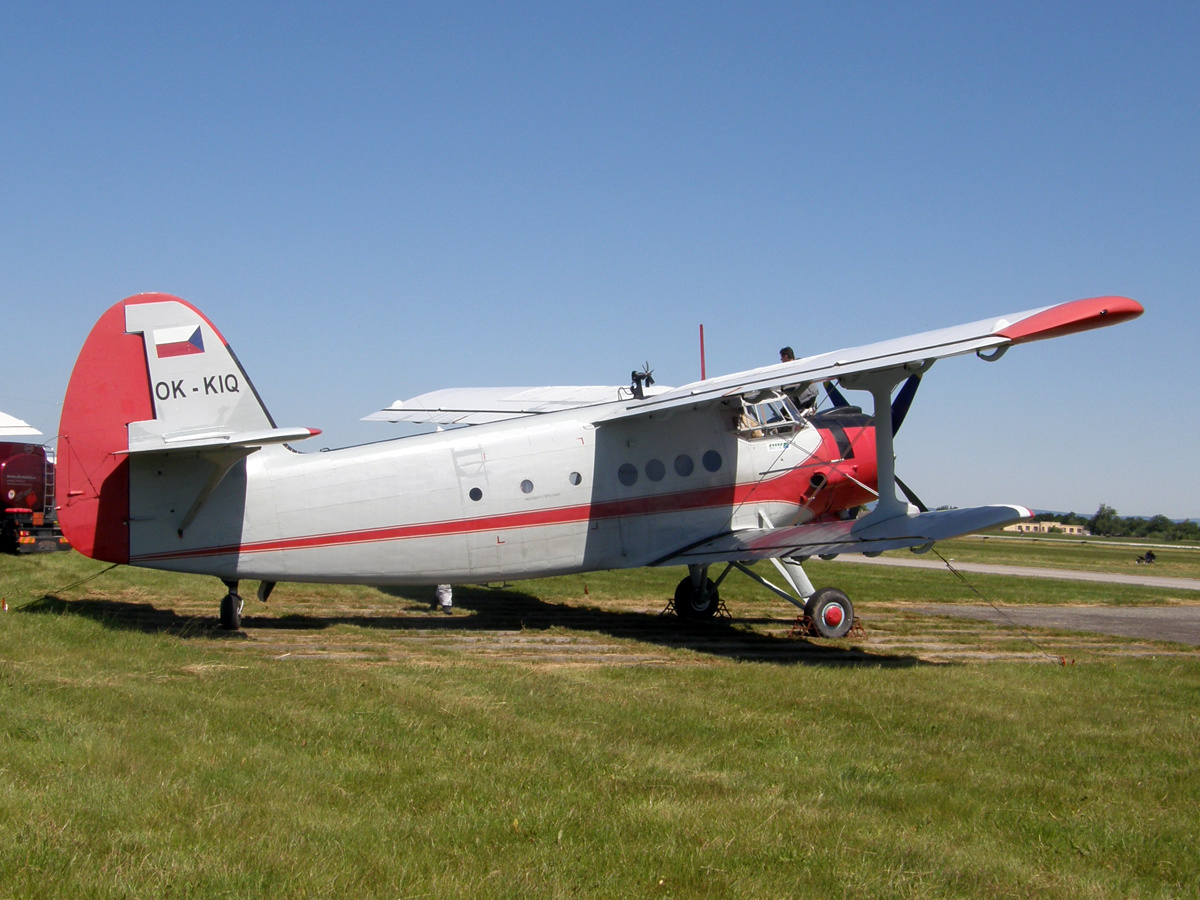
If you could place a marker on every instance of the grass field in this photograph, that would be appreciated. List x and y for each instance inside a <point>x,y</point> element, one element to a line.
<point>561,739</point>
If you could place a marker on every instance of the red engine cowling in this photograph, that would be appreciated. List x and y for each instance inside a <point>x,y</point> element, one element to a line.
<point>847,477</point>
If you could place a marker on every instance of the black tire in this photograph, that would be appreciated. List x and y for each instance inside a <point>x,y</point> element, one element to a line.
<point>693,604</point>
<point>8,540</point>
<point>831,612</point>
<point>231,612</point>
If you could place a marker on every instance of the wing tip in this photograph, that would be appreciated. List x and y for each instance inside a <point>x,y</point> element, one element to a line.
<point>1072,317</point>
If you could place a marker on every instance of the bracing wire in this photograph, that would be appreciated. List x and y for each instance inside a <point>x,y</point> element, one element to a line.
<point>85,580</point>
<point>1061,660</point>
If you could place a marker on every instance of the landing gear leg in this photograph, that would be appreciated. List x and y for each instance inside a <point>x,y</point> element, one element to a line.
<point>231,607</point>
<point>793,571</point>
<point>828,609</point>
<point>696,596</point>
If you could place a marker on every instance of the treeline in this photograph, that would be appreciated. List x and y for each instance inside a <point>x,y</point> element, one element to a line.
<point>1107,523</point>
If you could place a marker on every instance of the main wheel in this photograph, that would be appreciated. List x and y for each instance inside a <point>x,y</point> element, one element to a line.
<point>231,612</point>
<point>696,604</point>
<point>831,612</point>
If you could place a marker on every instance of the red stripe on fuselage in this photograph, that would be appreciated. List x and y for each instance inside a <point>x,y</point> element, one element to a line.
<point>786,488</point>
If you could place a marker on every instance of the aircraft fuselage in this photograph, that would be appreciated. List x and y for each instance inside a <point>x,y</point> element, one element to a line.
<point>517,499</point>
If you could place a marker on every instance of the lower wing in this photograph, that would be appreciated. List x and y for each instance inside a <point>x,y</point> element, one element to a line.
<point>852,536</point>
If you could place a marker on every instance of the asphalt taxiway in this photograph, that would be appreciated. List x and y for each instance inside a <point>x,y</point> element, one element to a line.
<point>1158,581</point>
<point>1180,624</point>
<point>1177,623</point>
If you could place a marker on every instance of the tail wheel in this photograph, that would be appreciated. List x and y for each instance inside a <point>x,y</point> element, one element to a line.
<point>831,612</point>
<point>231,612</point>
<point>691,603</point>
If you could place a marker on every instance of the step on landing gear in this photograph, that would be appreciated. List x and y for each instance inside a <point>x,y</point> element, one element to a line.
<point>231,607</point>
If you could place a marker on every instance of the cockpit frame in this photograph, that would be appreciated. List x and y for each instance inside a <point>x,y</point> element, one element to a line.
<point>768,414</point>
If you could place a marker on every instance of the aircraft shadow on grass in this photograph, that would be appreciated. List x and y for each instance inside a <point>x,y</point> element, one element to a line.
<point>495,610</point>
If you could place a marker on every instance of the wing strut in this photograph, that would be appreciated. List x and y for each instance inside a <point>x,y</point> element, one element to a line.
<point>223,459</point>
<point>881,383</point>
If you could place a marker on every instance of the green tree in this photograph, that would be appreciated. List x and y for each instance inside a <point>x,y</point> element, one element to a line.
<point>1105,522</point>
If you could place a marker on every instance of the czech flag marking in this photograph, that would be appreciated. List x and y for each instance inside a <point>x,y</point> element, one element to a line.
<point>182,341</point>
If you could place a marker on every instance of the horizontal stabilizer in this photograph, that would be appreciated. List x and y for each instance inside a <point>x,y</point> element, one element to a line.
<point>852,536</point>
<point>141,442</point>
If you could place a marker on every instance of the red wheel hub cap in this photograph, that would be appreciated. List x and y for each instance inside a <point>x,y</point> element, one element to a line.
<point>833,615</point>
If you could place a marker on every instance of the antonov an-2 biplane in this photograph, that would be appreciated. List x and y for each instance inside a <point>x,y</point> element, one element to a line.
<point>168,459</point>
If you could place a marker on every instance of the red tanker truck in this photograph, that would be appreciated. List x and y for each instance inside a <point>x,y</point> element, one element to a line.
<point>29,524</point>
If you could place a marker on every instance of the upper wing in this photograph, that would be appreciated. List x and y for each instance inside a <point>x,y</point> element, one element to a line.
<point>478,406</point>
<point>992,336</point>
<point>857,536</point>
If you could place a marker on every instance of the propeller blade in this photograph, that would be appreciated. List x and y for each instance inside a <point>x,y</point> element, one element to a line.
<point>912,497</point>
<point>904,399</point>
<point>836,397</point>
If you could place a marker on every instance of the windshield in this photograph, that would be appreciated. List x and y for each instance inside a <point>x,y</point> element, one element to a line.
<point>768,416</point>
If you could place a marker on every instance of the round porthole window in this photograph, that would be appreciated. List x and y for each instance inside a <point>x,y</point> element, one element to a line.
<point>684,465</point>
<point>526,486</point>
<point>475,494</point>
<point>655,470</point>
<point>575,478</point>
<point>712,460</point>
<point>627,474</point>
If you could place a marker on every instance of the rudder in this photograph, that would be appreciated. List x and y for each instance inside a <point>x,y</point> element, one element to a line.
<point>153,371</point>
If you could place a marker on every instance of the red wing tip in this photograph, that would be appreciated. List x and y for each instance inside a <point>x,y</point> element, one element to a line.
<point>1068,318</point>
<point>313,432</point>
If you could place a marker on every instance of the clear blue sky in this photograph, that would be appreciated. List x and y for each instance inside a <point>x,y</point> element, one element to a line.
<point>376,200</point>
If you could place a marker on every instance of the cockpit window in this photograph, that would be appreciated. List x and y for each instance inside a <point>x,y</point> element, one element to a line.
<point>768,415</point>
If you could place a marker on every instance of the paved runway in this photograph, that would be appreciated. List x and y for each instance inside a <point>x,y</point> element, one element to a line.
<point>1171,584</point>
<point>1159,623</point>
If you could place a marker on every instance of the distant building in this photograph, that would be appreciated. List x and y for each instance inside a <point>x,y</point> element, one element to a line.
<point>1046,528</point>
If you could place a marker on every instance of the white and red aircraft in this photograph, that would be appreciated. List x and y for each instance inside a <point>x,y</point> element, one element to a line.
<point>168,459</point>
<point>11,426</point>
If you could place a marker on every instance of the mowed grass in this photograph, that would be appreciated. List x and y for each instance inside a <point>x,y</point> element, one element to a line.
<point>170,760</point>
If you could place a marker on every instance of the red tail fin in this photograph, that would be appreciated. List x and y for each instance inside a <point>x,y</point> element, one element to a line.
<point>109,388</point>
